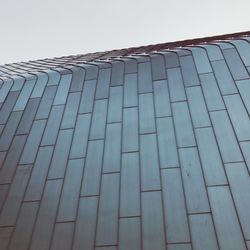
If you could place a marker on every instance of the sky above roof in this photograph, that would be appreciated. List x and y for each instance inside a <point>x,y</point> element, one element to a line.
<point>37,29</point>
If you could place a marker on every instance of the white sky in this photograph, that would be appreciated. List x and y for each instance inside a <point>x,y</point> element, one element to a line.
<point>36,29</point>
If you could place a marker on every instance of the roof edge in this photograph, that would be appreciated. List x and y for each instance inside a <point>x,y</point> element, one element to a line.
<point>39,65</point>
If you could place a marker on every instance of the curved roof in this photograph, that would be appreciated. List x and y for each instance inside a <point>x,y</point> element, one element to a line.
<point>142,148</point>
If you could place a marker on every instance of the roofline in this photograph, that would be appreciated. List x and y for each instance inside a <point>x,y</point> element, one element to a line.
<point>186,42</point>
<point>118,53</point>
<point>155,47</point>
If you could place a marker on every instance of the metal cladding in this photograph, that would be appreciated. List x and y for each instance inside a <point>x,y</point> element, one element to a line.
<point>140,148</point>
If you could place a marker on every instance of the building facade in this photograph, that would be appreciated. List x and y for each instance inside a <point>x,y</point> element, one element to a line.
<point>140,148</point>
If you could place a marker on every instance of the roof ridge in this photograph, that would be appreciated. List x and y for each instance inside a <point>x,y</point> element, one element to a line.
<point>97,58</point>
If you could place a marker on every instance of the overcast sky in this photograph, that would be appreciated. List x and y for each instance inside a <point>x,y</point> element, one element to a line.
<point>37,29</point>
